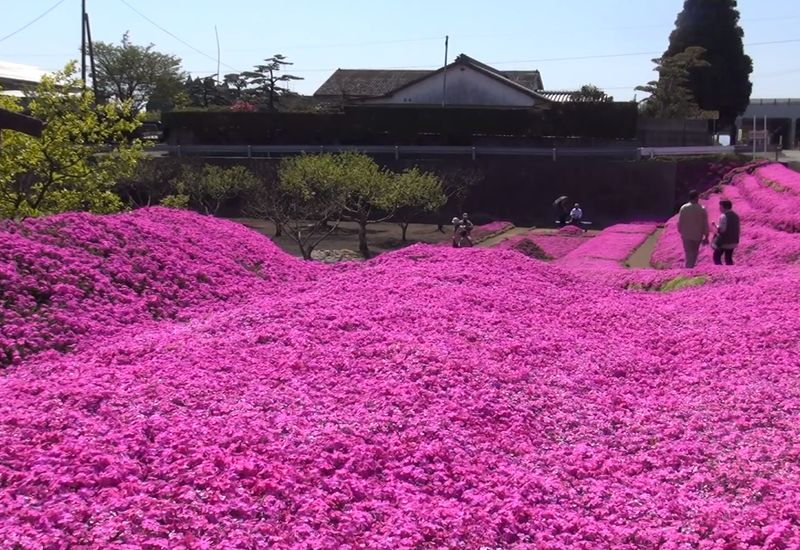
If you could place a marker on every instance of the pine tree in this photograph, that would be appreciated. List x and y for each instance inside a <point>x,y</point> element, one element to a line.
<point>724,85</point>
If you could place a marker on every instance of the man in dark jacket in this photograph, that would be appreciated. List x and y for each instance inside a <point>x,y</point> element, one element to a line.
<point>727,237</point>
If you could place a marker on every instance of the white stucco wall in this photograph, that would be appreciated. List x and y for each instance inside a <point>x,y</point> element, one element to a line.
<point>465,86</point>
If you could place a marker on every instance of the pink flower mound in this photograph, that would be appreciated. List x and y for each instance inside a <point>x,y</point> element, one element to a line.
<point>570,230</point>
<point>770,221</point>
<point>780,177</point>
<point>555,244</point>
<point>614,245</point>
<point>780,210</point>
<point>70,276</point>
<point>485,231</point>
<point>432,398</point>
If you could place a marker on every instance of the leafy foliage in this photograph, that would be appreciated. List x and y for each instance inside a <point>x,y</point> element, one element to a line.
<point>83,150</point>
<point>670,96</point>
<point>416,192</point>
<point>723,84</point>
<point>150,181</point>
<point>138,74</point>
<point>209,187</point>
<point>591,94</point>
<point>176,201</point>
<point>265,82</point>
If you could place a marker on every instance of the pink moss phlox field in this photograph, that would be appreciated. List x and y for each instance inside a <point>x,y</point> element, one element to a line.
<point>555,244</point>
<point>769,207</point>
<point>780,178</point>
<point>481,232</point>
<point>612,246</point>
<point>570,230</point>
<point>428,398</point>
<point>74,274</point>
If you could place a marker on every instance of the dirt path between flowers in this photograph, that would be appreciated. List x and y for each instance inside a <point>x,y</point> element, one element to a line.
<point>641,256</point>
<point>497,239</point>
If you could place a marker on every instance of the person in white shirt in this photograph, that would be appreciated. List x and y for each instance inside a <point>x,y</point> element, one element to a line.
<point>576,215</point>
<point>693,227</point>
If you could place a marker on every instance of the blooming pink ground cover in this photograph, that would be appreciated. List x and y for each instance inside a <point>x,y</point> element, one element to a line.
<point>770,213</point>
<point>552,245</point>
<point>611,247</point>
<point>65,276</point>
<point>429,398</point>
<point>481,232</point>
<point>779,178</point>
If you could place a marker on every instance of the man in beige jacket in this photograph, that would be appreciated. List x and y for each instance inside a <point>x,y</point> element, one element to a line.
<point>693,227</point>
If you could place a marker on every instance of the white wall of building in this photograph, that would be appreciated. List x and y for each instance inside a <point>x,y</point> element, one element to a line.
<point>465,86</point>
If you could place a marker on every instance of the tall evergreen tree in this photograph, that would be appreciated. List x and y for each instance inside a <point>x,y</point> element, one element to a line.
<point>724,85</point>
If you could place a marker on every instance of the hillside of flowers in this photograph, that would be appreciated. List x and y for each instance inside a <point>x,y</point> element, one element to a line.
<point>213,392</point>
<point>767,197</point>
<point>66,276</point>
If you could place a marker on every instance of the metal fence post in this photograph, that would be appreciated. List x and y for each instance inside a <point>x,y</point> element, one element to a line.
<point>473,153</point>
<point>396,152</point>
<point>555,157</point>
<point>249,151</point>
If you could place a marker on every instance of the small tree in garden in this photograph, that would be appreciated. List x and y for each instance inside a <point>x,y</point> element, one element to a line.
<point>416,192</point>
<point>209,188</point>
<point>264,201</point>
<point>84,149</point>
<point>150,181</point>
<point>457,184</point>
<point>307,201</point>
<point>369,193</point>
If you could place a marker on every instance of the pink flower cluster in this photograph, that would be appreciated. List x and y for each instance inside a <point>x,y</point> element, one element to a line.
<point>429,398</point>
<point>65,276</point>
<point>550,246</point>
<point>768,202</point>
<point>610,248</point>
<point>483,232</point>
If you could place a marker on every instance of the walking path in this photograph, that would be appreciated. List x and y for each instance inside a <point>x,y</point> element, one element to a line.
<point>497,239</point>
<point>641,256</point>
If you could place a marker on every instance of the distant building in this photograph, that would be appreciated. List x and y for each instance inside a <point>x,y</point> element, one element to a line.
<point>783,120</point>
<point>465,82</point>
<point>14,77</point>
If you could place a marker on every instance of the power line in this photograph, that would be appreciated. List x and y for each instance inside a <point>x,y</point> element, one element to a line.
<point>25,26</point>
<point>629,54</point>
<point>162,29</point>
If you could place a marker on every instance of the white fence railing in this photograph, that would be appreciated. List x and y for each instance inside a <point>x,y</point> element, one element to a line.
<point>400,151</point>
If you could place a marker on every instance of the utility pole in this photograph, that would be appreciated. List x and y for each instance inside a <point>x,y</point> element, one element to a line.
<point>219,76</point>
<point>91,54</point>
<point>444,81</point>
<point>83,43</point>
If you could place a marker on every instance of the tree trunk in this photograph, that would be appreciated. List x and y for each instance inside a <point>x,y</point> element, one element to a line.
<point>306,252</point>
<point>278,229</point>
<point>363,248</point>
<point>403,230</point>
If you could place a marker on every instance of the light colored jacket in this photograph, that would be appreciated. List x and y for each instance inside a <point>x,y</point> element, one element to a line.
<point>693,222</point>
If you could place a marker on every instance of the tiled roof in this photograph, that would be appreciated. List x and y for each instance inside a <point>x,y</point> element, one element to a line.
<point>366,83</point>
<point>557,96</point>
